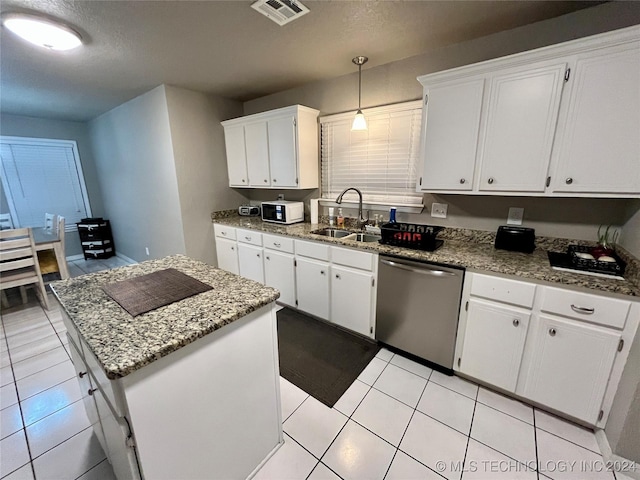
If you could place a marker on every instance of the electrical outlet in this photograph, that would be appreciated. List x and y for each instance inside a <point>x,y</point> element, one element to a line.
<point>146,249</point>
<point>439,210</point>
<point>281,196</point>
<point>516,214</point>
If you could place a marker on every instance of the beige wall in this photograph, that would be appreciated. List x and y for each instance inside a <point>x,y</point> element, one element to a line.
<point>200,162</point>
<point>396,82</point>
<point>134,160</point>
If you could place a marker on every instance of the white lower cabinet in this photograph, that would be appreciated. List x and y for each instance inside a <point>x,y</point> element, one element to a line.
<point>570,366</point>
<point>494,343</point>
<point>279,273</point>
<point>250,263</point>
<point>352,299</point>
<point>312,285</point>
<point>559,348</point>
<point>227,252</point>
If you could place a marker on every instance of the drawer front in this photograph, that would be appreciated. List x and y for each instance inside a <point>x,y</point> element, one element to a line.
<point>503,290</point>
<point>95,234</point>
<point>117,405</point>
<point>249,236</point>
<point>610,312</point>
<point>99,252</point>
<point>318,251</point>
<point>276,242</point>
<point>352,258</point>
<point>93,244</point>
<point>72,333</point>
<point>224,232</point>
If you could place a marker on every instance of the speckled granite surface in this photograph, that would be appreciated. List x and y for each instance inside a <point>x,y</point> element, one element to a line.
<point>123,343</point>
<point>461,248</point>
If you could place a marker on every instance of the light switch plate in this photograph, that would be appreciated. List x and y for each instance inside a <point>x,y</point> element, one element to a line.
<point>439,210</point>
<point>516,215</point>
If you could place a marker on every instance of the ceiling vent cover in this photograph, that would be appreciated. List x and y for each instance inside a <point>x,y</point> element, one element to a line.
<point>280,11</point>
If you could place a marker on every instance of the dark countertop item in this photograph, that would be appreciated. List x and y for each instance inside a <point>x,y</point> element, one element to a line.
<point>123,344</point>
<point>479,255</point>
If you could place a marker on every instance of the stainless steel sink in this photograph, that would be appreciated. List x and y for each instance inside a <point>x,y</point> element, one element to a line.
<point>332,232</point>
<point>361,237</point>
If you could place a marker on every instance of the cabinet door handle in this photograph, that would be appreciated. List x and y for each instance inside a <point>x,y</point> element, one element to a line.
<point>490,181</point>
<point>82,374</point>
<point>583,310</point>
<point>552,332</point>
<point>243,180</point>
<point>91,390</point>
<point>337,276</point>
<point>274,180</point>
<point>569,181</point>
<point>224,233</point>
<point>265,181</point>
<point>233,248</point>
<point>248,239</point>
<point>462,180</point>
<point>321,272</point>
<point>276,244</point>
<point>516,322</point>
<point>258,255</point>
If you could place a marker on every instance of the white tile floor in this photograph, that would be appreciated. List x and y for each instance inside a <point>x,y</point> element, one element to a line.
<point>399,420</point>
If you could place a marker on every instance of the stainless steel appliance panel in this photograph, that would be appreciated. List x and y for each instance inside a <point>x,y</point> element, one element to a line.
<point>417,308</point>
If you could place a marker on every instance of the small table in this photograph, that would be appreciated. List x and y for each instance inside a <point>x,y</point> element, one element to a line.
<point>49,240</point>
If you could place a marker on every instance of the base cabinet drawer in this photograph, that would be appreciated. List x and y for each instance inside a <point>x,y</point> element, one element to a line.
<point>494,343</point>
<point>570,367</point>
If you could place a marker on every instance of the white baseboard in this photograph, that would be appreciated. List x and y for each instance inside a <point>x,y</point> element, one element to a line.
<point>125,258</point>
<point>80,256</point>
<point>620,464</point>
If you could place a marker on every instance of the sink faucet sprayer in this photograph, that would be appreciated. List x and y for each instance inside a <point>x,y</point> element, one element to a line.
<point>361,220</point>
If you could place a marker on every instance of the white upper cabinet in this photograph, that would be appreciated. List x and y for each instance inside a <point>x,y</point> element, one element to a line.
<point>598,147</point>
<point>450,135</point>
<point>521,115</point>
<point>274,149</point>
<point>559,121</point>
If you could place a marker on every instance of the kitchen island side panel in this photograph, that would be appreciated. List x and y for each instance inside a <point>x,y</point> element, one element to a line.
<point>212,407</point>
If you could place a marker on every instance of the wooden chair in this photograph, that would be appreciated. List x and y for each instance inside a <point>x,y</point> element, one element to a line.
<point>19,263</point>
<point>6,223</point>
<point>53,259</point>
<point>49,221</point>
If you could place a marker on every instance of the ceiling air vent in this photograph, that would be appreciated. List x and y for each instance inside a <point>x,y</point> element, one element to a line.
<point>280,11</point>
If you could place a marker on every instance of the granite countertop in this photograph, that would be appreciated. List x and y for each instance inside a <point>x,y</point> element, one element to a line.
<point>123,344</point>
<point>474,251</point>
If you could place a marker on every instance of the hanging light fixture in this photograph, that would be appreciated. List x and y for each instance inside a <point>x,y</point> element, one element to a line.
<point>42,31</point>
<point>359,122</point>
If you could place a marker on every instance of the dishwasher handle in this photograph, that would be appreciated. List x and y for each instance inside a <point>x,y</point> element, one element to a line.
<point>421,270</point>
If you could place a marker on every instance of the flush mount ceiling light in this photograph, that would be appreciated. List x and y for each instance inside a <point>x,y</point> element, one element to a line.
<point>359,122</point>
<point>42,31</point>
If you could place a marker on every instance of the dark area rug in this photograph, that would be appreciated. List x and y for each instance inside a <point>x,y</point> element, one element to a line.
<point>320,359</point>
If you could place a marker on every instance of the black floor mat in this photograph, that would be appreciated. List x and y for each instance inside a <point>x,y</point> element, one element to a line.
<point>320,359</point>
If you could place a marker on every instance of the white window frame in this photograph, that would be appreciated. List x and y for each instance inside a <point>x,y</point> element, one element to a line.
<point>44,142</point>
<point>371,112</point>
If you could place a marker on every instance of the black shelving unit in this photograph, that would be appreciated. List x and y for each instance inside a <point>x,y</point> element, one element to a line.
<point>96,238</point>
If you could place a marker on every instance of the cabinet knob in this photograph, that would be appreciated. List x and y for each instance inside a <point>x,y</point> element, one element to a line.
<point>462,180</point>
<point>266,181</point>
<point>91,390</point>
<point>243,181</point>
<point>274,180</point>
<point>490,181</point>
<point>268,258</point>
<point>224,233</point>
<point>233,248</point>
<point>82,374</point>
<point>258,255</point>
<point>276,244</point>
<point>321,272</point>
<point>337,276</point>
<point>248,239</point>
<point>569,181</point>
<point>552,332</point>
<point>516,322</point>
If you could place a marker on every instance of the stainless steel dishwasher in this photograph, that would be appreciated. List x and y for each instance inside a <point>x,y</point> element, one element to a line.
<point>418,307</point>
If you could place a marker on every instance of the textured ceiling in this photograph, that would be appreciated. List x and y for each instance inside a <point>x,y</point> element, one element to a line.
<point>227,48</point>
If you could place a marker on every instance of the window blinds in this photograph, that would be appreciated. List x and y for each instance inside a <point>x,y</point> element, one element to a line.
<point>380,161</point>
<point>42,177</point>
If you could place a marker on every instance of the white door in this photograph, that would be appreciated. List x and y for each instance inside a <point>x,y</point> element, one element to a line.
<point>236,156</point>
<point>279,272</point>
<point>227,253</point>
<point>494,339</point>
<point>570,366</point>
<point>312,287</point>
<point>598,145</point>
<point>250,262</point>
<point>450,135</point>
<point>521,116</point>
<point>283,160</point>
<point>257,145</point>
<point>351,299</point>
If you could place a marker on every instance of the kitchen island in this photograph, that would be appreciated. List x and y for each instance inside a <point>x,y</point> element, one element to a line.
<point>189,390</point>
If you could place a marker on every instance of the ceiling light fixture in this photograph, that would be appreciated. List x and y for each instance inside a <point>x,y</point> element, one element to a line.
<point>42,31</point>
<point>359,122</point>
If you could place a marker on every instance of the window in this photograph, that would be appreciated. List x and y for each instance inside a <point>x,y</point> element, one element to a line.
<point>380,161</point>
<point>41,175</point>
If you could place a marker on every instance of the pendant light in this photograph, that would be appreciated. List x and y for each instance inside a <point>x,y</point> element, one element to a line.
<point>359,122</point>
<point>42,31</point>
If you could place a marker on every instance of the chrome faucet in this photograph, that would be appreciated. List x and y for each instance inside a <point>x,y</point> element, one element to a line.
<point>361,219</point>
